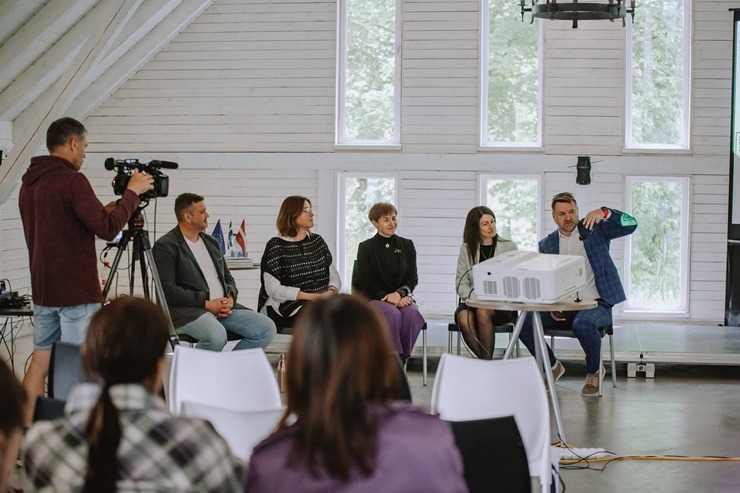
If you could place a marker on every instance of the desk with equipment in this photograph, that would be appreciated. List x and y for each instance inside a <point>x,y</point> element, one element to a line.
<point>531,282</point>
<point>13,321</point>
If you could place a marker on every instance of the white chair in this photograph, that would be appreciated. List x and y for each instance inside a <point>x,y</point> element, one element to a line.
<point>237,380</point>
<point>469,389</point>
<point>242,430</point>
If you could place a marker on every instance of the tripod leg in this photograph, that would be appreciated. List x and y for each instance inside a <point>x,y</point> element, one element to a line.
<point>114,266</point>
<point>174,340</point>
<point>140,251</point>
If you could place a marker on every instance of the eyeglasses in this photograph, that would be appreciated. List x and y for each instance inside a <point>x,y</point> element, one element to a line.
<point>308,210</point>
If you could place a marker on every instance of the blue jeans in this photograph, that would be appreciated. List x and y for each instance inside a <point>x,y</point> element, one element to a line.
<point>61,323</point>
<point>585,324</point>
<point>255,329</point>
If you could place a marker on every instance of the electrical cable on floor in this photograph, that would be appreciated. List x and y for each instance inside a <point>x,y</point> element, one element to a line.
<point>583,458</point>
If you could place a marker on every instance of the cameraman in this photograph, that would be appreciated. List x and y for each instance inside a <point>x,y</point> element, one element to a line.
<point>61,217</point>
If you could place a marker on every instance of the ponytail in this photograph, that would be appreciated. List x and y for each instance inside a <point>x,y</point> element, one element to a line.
<point>103,434</point>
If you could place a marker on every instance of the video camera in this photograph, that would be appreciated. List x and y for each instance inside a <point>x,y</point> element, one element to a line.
<point>126,167</point>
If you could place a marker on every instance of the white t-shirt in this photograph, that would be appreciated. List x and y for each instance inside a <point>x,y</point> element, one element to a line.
<point>205,262</point>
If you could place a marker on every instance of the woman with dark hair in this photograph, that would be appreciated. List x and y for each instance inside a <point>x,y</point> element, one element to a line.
<point>117,433</point>
<point>385,273</point>
<point>296,267</point>
<point>480,242</point>
<point>12,403</point>
<point>341,431</point>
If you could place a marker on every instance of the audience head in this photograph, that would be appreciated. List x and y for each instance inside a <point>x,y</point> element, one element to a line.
<point>289,219</point>
<point>340,360</point>
<point>12,403</point>
<point>125,344</point>
<point>383,216</point>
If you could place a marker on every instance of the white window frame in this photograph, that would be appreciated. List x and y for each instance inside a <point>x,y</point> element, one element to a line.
<point>483,125</point>
<point>685,143</point>
<point>342,35</point>
<point>342,178</point>
<point>682,310</point>
<point>483,180</point>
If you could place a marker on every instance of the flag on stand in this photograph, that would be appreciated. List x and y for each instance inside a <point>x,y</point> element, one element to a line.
<point>241,238</point>
<point>219,235</point>
<point>230,242</point>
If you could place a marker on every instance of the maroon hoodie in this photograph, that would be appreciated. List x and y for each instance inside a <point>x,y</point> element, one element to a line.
<point>61,217</point>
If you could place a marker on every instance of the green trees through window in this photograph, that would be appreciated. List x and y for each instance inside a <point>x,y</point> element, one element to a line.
<point>657,277</point>
<point>660,62</point>
<point>360,193</point>
<point>368,72</point>
<point>514,200</point>
<point>511,78</point>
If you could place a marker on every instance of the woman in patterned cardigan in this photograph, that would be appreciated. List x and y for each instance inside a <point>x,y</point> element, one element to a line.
<point>296,267</point>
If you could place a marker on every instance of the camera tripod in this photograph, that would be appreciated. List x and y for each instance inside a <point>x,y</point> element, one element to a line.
<point>142,252</point>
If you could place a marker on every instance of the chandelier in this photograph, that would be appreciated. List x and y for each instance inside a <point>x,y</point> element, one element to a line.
<point>574,10</point>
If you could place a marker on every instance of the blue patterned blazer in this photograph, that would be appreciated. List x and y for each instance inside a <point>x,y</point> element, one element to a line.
<point>596,243</point>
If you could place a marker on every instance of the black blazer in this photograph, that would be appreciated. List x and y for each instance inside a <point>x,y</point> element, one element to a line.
<point>183,283</point>
<point>371,279</point>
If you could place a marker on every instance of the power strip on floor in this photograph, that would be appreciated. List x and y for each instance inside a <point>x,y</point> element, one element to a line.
<point>583,453</point>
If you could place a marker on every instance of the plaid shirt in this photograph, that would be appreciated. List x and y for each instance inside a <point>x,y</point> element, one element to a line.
<point>158,451</point>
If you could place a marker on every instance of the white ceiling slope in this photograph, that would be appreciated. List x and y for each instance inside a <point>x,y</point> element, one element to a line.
<point>65,57</point>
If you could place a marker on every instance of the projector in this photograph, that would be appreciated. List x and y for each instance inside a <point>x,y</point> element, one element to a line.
<point>528,277</point>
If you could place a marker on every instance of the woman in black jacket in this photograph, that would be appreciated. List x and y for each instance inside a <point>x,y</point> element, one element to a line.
<point>385,273</point>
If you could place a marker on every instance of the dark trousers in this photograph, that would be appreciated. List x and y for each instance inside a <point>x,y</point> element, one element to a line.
<point>585,325</point>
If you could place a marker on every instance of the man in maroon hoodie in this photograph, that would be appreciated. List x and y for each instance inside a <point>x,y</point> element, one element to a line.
<point>61,217</point>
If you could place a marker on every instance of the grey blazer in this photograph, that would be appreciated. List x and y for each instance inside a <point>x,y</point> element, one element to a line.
<point>184,284</point>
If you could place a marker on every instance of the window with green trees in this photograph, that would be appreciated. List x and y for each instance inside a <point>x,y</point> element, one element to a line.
<point>368,96</point>
<point>515,201</point>
<point>657,269</point>
<point>510,79</point>
<point>658,75</point>
<point>357,195</point>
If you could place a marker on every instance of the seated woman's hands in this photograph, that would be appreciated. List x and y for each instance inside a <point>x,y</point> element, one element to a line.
<point>397,300</point>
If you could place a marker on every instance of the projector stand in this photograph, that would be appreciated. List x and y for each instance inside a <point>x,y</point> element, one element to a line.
<point>539,337</point>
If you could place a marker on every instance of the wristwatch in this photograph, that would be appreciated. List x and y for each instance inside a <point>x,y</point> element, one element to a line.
<point>606,211</point>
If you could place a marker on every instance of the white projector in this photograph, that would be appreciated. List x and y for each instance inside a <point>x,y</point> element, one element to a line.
<point>528,277</point>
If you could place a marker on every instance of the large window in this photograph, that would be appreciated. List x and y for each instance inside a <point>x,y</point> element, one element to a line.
<point>368,89</point>
<point>515,201</point>
<point>356,195</point>
<point>657,252</point>
<point>658,75</point>
<point>510,80</point>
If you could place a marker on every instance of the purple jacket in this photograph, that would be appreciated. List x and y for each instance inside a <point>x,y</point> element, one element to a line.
<point>416,452</point>
<point>61,217</point>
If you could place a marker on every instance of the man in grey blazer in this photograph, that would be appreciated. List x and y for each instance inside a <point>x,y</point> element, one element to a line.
<point>589,238</point>
<point>200,291</point>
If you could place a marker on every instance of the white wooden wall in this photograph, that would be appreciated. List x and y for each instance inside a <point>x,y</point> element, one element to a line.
<point>244,99</point>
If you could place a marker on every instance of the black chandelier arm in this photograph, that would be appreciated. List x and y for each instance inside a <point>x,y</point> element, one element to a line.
<point>575,10</point>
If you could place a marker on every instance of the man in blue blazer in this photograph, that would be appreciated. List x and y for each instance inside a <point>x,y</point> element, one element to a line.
<point>200,291</point>
<point>589,238</point>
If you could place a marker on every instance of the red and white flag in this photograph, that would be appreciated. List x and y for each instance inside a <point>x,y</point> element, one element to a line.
<point>241,238</point>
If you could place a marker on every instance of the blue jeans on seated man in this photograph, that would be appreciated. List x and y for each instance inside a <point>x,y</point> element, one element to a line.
<point>585,325</point>
<point>255,329</point>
